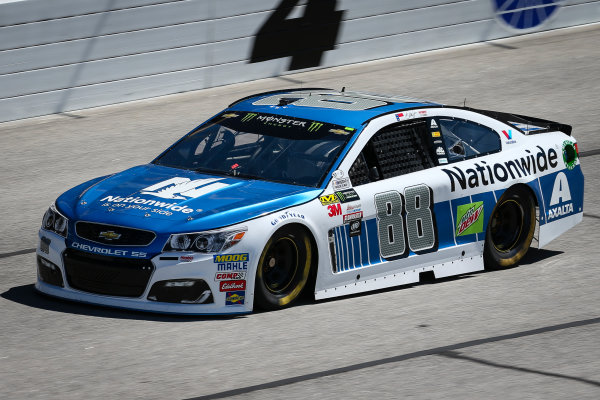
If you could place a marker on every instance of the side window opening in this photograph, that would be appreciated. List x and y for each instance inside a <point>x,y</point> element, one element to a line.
<point>395,150</point>
<point>466,139</point>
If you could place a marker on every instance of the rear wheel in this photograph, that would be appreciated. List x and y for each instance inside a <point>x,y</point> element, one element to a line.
<point>510,229</point>
<point>283,268</point>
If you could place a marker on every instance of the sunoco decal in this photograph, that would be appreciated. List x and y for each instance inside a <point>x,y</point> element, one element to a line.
<point>469,218</point>
<point>235,298</point>
<point>483,175</point>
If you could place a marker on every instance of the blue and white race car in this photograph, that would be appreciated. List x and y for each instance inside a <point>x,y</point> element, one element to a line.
<point>312,189</point>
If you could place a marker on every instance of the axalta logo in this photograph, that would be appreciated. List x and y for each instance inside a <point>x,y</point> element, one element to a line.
<point>184,188</point>
<point>561,198</point>
<point>469,218</point>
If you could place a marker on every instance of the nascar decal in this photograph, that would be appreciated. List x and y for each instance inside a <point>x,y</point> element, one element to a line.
<point>231,262</point>
<point>235,298</point>
<point>560,202</point>
<point>484,174</point>
<point>469,218</point>
<point>346,196</point>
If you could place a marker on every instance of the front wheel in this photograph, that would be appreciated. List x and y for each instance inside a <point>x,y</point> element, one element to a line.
<point>283,268</point>
<point>510,229</point>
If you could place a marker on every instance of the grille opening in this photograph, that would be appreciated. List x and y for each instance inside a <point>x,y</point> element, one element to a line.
<point>113,235</point>
<point>49,272</point>
<point>188,291</point>
<point>112,276</point>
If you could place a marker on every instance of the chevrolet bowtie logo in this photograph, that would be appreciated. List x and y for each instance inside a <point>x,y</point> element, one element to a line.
<point>109,235</point>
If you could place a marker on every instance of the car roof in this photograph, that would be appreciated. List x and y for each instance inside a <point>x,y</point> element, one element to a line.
<point>351,118</point>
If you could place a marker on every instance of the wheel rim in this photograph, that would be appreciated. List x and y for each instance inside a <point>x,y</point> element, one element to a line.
<point>506,225</point>
<point>280,265</point>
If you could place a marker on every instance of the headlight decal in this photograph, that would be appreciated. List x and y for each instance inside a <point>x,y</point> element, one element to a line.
<point>205,242</point>
<point>54,221</point>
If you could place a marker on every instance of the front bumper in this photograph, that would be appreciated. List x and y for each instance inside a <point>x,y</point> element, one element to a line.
<point>178,270</point>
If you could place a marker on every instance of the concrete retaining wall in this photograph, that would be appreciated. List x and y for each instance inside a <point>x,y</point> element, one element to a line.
<point>63,55</point>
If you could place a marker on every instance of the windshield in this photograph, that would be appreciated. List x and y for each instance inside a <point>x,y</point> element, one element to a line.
<point>260,146</point>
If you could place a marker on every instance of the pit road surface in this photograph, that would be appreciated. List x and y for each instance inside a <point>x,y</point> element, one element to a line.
<point>523,333</point>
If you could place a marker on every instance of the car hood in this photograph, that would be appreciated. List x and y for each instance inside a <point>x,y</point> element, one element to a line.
<point>165,199</point>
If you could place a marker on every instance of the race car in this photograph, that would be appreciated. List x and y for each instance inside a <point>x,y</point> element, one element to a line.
<point>333,192</point>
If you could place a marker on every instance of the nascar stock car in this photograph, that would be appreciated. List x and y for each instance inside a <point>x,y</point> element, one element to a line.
<point>312,189</point>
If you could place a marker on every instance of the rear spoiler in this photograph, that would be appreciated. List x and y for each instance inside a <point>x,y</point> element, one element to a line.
<point>525,124</point>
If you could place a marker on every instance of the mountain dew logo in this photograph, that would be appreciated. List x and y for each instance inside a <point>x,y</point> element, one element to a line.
<point>469,218</point>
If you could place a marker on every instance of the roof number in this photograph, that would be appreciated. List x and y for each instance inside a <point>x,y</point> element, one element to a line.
<point>332,101</point>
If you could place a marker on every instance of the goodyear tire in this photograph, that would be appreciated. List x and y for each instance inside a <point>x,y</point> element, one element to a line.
<point>283,269</point>
<point>510,229</point>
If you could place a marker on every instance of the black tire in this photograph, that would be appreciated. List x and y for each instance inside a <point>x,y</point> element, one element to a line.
<point>510,229</point>
<point>283,269</point>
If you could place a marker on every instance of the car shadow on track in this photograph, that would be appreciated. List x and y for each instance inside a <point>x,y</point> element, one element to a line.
<point>28,296</point>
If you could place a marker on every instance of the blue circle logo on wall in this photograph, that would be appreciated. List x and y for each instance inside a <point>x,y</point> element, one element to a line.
<point>526,14</point>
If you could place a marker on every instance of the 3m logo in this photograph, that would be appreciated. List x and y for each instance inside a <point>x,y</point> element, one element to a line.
<point>222,258</point>
<point>329,199</point>
<point>508,134</point>
<point>334,209</point>
<point>314,126</point>
<point>249,117</point>
<point>184,188</point>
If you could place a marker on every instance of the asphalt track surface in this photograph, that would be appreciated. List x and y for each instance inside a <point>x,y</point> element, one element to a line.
<point>531,332</point>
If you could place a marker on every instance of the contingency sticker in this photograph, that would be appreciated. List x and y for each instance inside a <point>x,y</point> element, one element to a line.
<point>469,218</point>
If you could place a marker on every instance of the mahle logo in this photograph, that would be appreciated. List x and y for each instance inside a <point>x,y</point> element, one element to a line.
<point>314,126</point>
<point>469,218</point>
<point>249,117</point>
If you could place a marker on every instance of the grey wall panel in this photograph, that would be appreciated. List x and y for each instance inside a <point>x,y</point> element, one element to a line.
<point>69,54</point>
<point>19,12</point>
<point>92,25</point>
<point>413,20</point>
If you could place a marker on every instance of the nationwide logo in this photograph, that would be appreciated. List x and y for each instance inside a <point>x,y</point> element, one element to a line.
<point>229,286</point>
<point>249,117</point>
<point>484,174</point>
<point>469,218</point>
<point>314,126</point>
<point>109,235</point>
<point>184,188</point>
<point>235,298</point>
